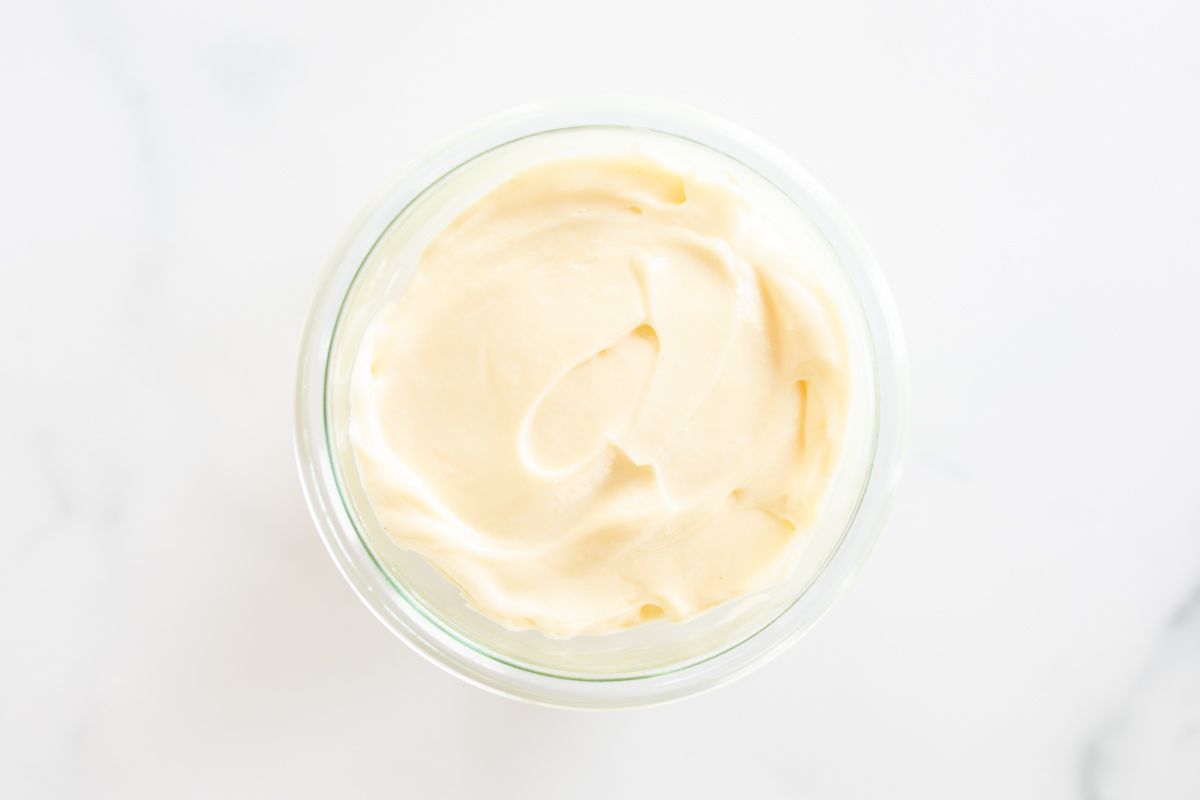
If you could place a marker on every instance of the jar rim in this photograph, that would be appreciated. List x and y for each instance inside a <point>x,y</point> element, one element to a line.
<point>409,621</point>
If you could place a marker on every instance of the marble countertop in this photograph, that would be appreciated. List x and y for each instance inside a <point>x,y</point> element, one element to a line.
<point>173,178</point>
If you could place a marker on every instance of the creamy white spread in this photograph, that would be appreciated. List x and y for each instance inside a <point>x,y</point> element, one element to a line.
<point>609,394</point>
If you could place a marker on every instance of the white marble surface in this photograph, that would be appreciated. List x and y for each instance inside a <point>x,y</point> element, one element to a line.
<point>172,177</point>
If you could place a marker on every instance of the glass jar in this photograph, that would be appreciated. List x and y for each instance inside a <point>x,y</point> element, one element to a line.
<point>658,661</point>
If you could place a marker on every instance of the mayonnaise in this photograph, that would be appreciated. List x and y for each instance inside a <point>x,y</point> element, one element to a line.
<point>608,395</point>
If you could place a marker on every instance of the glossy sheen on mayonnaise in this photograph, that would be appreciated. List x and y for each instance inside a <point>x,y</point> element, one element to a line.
<point>608,395</point>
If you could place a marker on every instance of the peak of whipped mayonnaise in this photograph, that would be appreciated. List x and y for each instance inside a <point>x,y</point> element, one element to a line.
<point>608,395</point>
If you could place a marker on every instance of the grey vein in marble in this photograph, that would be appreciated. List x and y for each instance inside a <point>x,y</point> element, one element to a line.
<point>1151,748</point>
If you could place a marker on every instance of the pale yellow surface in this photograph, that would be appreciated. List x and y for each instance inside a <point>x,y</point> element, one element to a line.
<point>608,395</point>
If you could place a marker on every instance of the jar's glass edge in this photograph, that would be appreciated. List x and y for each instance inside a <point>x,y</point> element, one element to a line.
<point>890,372</point>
